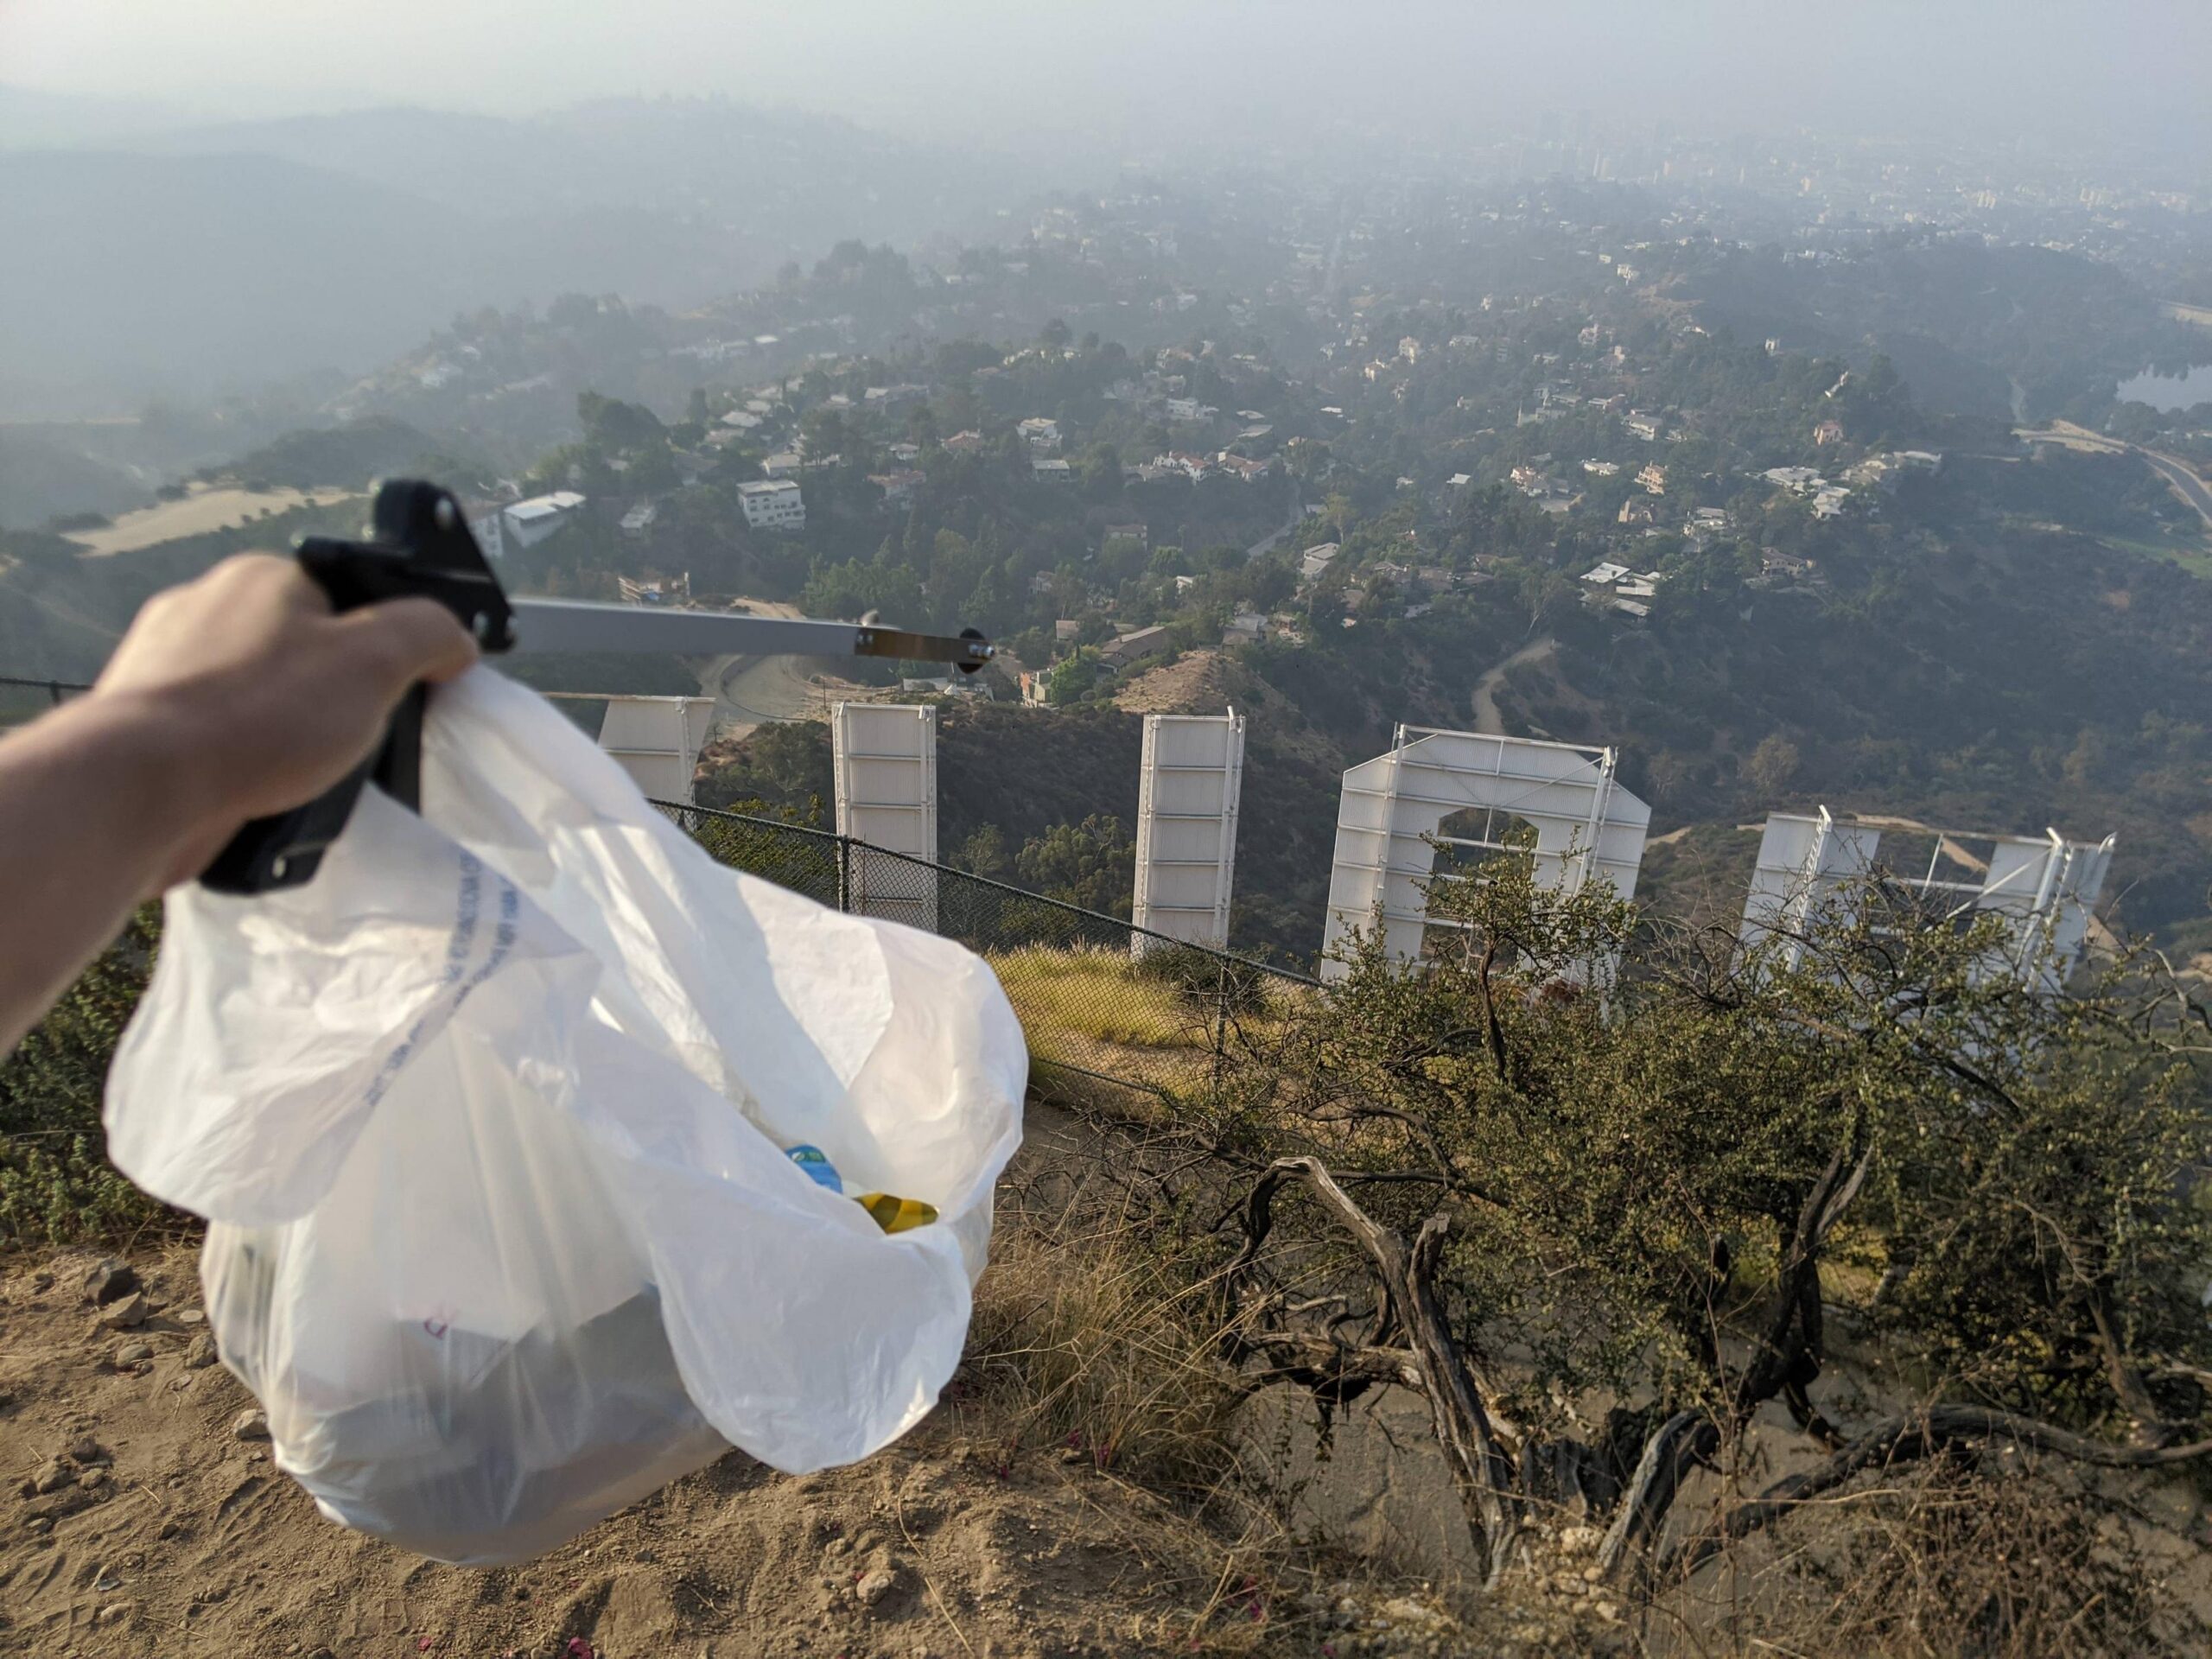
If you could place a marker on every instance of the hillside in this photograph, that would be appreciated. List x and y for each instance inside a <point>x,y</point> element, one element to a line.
<point>223,259</point>
<point>1009,776</point>
<point>1045,1509</point>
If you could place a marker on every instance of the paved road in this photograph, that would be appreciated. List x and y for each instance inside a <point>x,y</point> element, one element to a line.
<point>2183,479</point>
<point>750,691</point>
<point>1297,516</point>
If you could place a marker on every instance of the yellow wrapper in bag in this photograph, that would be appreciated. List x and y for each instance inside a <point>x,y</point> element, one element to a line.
<point>894,1214</point>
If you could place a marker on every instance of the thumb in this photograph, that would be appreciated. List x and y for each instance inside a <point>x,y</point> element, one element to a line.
<point>409,639</point>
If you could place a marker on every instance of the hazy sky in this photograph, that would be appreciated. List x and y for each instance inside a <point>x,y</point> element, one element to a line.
<point>1117,71</point>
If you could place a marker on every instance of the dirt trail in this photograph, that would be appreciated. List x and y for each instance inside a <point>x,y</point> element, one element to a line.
<point>1487,717</point>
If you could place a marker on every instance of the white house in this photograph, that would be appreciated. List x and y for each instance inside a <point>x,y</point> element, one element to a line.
<point>1039,432</point>
<point>772,504</point>
<point>528,523</point>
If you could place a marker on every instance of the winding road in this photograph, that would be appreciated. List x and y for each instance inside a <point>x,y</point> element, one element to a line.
<point>750,691</point>
<point>1487,716</point>
<point>2181,478</point>
<point>1267,543</point>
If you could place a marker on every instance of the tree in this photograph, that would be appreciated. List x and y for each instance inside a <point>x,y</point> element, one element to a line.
<point>1092,864</point>
<point>1773,765</point>
<point>1121,557</point>
<point>824,432</point>
<point>1072,677</point>
<point>611,426</point>
<point>984,853</point>
<point>1644,1165</point>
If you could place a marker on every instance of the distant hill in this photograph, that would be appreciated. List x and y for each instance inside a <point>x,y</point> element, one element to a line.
<point>1973,328</point>
<point>40,479</point>
<point>131,276</point>
<point>196,261</point>
<point>800,182</point>
<point>348,455</point>
<point>34,119</point>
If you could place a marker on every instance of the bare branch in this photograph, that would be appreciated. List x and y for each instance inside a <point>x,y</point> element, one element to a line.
<point>1409,1304</point>
<point>1668,1455</point>
<point>1906,1440</point>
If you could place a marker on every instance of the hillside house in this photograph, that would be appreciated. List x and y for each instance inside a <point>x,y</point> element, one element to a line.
<point>528,523</point>
<point>1126,650</point>
<point>899,486</point>
<point>772,504</point>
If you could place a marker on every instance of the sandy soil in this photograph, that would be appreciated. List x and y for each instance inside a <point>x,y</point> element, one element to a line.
<point>196,514</point>
<point>162,1533</point>
<point>1196,682</point>
<point>172,1536</point>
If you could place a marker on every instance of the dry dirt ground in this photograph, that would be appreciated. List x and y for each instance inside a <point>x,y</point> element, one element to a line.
<point>134,1521</point>
<point>171,1535</point>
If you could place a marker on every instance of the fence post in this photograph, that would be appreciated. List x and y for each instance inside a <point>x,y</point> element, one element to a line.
<point>845,872</point>
<point>1220,1019</point>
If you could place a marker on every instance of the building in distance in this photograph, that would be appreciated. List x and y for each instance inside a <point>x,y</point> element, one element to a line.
<point>772,504</point>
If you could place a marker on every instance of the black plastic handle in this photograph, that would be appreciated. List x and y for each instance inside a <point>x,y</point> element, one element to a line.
<point>419,545</point>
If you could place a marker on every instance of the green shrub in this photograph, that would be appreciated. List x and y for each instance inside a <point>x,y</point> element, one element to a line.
<point>56,1185</point>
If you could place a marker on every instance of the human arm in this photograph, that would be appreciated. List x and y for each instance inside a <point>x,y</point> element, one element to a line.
<point>229,698</point>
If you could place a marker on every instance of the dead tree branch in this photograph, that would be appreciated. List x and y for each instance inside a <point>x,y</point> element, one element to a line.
<point>1907,1439</point>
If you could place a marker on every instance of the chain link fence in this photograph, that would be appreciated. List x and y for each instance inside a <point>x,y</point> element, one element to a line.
<point>1099,997</point>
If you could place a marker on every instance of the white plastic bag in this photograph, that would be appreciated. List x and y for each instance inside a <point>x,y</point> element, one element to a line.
<point>489,1121</point>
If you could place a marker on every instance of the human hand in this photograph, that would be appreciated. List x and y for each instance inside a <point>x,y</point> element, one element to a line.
<point>264,697</point>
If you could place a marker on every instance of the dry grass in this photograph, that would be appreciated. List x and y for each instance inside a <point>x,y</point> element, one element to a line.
<point>1095,1338</point>
<point>1093,994</point>
<point>196,514</point>
<point>1994,1560</point>
<point>1091,1336</point>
